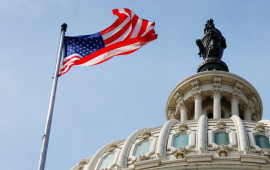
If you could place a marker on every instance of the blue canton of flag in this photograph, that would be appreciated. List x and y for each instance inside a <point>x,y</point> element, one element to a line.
<point>83,45</point>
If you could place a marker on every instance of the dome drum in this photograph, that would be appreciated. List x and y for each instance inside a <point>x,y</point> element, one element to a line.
<point>216,94</point>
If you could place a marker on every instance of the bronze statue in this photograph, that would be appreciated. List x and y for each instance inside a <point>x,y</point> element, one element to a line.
<point>212,43</point>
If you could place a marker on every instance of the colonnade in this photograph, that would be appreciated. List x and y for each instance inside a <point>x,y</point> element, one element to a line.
<point>217,96</point>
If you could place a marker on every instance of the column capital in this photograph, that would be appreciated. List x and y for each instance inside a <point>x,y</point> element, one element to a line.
<point>197,92</point>
<point>180,102</point>
<point>237,90</point>
<point>250,105</point>
<point>217,89</point>
<point>171,113</point>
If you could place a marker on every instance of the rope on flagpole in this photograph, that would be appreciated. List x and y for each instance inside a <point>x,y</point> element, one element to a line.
<point>46,135</point>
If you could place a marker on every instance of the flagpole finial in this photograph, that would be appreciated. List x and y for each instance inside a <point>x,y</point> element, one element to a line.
<point>64,27</point>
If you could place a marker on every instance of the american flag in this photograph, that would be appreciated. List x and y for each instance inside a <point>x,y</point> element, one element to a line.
<point>126,35</point>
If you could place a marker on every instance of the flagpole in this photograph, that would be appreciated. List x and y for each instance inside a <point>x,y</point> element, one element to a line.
<point>45,139</point>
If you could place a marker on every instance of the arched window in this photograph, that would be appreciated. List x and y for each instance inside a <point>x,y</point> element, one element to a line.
<point>107,161</point>
<point>262,141</point>
<point>222,138</point>
<point>142,148</point>
<point>181,140</point>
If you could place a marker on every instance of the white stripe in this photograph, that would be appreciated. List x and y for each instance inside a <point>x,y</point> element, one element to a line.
<point>72,56</point>
<point>150,28</point>
<point>122,37</point>
<point>66,68</point>
<point>137,28</point>
<point>123,11</point>
<point>114,31</point>
<point>78,57</point>
<point>112,53</point>
<point>69,64</point>
<point>148,25</point>
<point>132,14</point>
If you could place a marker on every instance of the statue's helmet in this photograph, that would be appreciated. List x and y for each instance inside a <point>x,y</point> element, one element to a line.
<point>209,25</point>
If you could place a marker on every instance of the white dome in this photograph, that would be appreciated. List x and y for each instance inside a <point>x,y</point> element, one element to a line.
<point>201,151</point>
<point>203,130</point>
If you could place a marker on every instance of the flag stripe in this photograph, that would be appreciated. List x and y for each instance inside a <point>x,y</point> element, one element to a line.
<point>143,27</point>
<point>119,45</point>
<point>123,36</point>
<point>116,29</point>
<point>116,34</point>
<point>121,18</point>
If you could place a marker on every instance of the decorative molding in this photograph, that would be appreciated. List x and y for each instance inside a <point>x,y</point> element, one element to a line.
<point>263,152</point>
<point>255,116</point>
<point>171,113</point>
<point>259,127</point>
<point>197,92</point>
<point>146,134</point>
<point>177,94</point>
<point>223,150</point>
<point>221,124</point>
<point>217,89</point>
<point>180,153</point>
<point>115,166</point>
<point>251,105</point>
<point>82,163</point>
<point>151,155</point>
<point>141,158</point>
<point>180,102</point>
<point>112,147</point>
<point>237,90</point>
<point>182,127</point>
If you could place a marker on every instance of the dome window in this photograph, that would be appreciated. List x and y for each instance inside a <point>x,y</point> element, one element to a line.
<point>142,148</point>
<point>262,141</point>
<point>181,140</point>
<point>222,138</point>
<point>107,161</point>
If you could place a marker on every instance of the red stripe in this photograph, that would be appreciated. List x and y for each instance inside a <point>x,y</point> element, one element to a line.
<point>118,34</point>
<point>114,46</point>
<point>134,22</point>
<point>128,11</point>
<point>66,61</point>
<point>143,27</point>
<point>61,71</point>
<point>124,53</point>
<point>150,32</point>
<point>121,19</point>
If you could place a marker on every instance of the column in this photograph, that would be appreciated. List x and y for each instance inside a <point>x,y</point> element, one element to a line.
<point>181,105</point>
<point>217,105</point>
<point>198,106</point>
<point>234,104</point>
<point>184,112</point>
<point>237,90</point>
<point>217,91</point>
<point>249,109</point>
<point>197,96</point>
<point>247,114</point>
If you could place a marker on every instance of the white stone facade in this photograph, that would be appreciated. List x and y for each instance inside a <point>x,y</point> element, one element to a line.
<point>212,120</point>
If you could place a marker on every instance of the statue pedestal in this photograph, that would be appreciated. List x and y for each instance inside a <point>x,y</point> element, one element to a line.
<point>212,64</point>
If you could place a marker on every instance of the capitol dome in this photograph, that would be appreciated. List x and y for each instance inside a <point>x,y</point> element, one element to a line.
<point>213,122</point>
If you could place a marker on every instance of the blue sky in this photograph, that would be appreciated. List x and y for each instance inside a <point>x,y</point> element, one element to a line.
<point>99,104</point>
